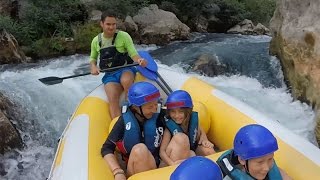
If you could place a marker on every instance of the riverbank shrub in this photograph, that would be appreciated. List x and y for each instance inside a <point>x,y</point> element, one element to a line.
<point>122,7</point>
<point>23,33</point>
<point>45,47</point>
<point>46,24</point>
<point>83,35</point>
<point>231,11</point>
<point>261,11</point>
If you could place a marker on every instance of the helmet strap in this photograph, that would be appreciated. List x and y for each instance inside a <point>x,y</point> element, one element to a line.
<point>135,112</point>
<point>246,167</point>
<point>142,115</point>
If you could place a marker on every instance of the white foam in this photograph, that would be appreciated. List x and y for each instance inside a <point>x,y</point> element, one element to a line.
<point>52,105</point>
<point>298,143</point>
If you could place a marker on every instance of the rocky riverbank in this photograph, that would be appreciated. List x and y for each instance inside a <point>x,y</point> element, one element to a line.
<point>295,28</point>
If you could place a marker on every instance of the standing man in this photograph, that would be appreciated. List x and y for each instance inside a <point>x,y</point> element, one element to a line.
<point>114,48</point>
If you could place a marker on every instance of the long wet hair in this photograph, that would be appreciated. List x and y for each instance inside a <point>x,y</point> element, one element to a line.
<point>187,112</point>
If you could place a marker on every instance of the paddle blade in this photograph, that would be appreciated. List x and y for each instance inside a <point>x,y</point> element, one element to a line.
<point>147,73</point>
<point>152,65</point>
<point>51,80</point>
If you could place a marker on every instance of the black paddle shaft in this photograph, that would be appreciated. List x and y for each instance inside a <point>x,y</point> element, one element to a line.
<point>56,80</point>
<point>163,88</point>
<point>164,82</point>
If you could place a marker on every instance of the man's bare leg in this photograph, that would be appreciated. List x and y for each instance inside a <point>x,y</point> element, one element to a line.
<point>113,91</point>
<point>127,79</point>
<point>140,160</point>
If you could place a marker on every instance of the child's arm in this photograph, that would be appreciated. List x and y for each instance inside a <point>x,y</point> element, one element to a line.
<point>201,135</point>
<point>164,144</point>
<point>203,140</point>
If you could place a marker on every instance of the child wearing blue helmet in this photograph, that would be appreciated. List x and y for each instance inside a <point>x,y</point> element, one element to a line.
<point>197,168</point>
<point>183,137</point>
<point>137,133</point>
<point>252,156</point>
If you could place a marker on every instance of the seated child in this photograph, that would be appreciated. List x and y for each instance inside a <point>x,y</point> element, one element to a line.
<point>183,137</point>
<point>197,167</point>
<point>252,156</point>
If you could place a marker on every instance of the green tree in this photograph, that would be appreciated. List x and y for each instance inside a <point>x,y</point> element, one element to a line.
<point>260,10</point>
<point>53,18</point>
<point>122,7</point>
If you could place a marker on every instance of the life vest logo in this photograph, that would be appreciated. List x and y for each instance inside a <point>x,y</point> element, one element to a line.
<point>158,137</point>
<point>110,64</point>
<point>175,132</point>
<point>128,126</point>
<point>194,136</point>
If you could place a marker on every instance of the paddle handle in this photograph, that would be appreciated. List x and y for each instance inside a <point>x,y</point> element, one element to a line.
<point>164,82</point>
<point>162,87</point>
<point>104,70</point>
<point>119,67</point>
<point>76,75</point>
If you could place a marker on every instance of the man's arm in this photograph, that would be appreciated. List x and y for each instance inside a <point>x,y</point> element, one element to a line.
<point>108,148</point>
<point>93,56</point>
<point>94,68</point>
<point>132,50</point>
<point>114,165</point>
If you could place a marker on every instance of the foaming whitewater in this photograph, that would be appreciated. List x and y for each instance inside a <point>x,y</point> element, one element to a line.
<point>46,109</point>
<point>276,103</point>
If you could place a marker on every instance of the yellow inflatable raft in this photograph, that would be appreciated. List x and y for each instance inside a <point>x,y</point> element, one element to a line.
<point>78,154</point>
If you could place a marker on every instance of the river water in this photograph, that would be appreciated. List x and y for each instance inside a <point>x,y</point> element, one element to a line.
<point>252,76</point>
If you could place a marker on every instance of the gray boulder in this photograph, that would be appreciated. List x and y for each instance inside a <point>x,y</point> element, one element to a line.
<point>10,51</point>
<point>209,65</point>
<point>9,136</point>
<point>246,27</point>
<point>157,26</point>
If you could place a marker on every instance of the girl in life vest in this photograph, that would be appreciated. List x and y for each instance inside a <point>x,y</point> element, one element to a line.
<point>183,137</point>
<point>252,156</point>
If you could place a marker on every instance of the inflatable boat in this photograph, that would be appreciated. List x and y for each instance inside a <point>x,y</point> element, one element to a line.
<point>78,153</point>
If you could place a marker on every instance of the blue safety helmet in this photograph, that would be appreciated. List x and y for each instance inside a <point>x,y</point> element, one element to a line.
<point>197,167</point>
<point>178,99</point>
<point>141,93</point>
<point>254,141</point>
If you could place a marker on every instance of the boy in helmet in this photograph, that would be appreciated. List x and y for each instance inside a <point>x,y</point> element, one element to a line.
<point>137,133</point>
<point>197,167</point>
<point>252,156</point>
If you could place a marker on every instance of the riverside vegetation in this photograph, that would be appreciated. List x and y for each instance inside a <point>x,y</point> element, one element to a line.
<point>43,28</point>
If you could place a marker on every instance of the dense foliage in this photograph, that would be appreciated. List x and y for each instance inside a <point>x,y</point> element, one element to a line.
<point>260,10</point>
<point>122,7</point>
<point>42,26</point>
<point>231,11</point>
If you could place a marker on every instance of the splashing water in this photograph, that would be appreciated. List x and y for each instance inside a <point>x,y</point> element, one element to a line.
<point>46,109</point>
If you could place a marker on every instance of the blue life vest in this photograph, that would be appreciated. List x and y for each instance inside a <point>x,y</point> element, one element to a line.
<point>228,167</point>
<point>175,128</point>
<point>151,135</point>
